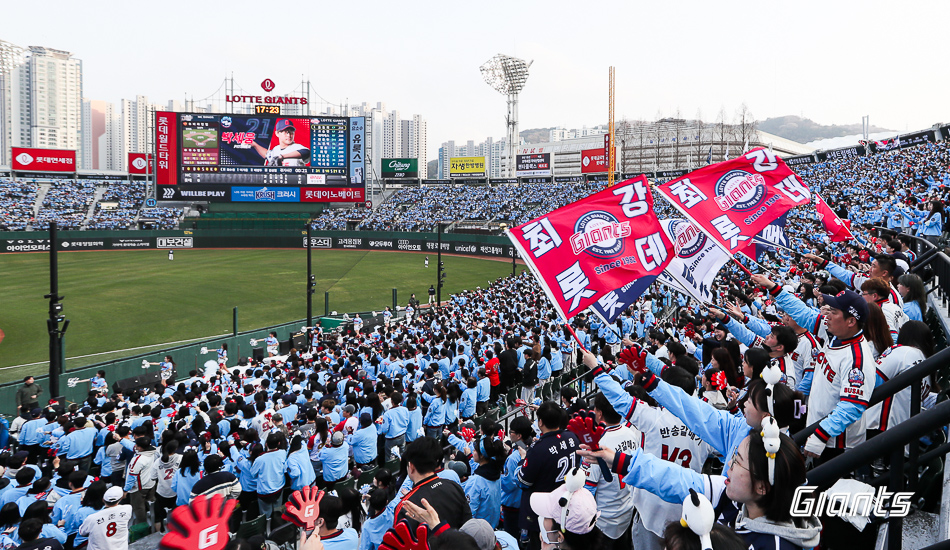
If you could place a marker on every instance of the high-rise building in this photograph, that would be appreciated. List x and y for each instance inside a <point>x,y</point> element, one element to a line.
<point>392,136</point>
<point>136,133</point>
<point>11,56</point>
<point>405,138</point>
<point>46,101</point>
<point>495,153</point>
<point>101,132</point>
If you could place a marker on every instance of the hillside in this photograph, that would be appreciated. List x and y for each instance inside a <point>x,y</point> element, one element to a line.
<point>804,130</point>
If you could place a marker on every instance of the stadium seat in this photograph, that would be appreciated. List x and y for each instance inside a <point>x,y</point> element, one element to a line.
<point>348,483</point>
<point>139,531</point>
<point>287,534</point>
<point>512,397</point>
<point>393,465</point>
<point>366,478</point>
<point>253,527</point>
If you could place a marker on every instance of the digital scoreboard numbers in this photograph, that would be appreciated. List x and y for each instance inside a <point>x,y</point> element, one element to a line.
<point>267,109</point>
<point>330,138</point>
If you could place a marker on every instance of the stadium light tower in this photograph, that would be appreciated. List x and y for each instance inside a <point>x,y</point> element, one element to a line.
<point>508,75</point>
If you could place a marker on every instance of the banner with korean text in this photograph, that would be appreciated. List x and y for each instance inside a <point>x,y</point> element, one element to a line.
<point>43,160</point>
<point>733,201</point>
<point>584,251</point>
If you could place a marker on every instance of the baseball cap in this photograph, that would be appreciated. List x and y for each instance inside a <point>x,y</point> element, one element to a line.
<point>296,388</point>
<point>481,531</point>
<point>36,413</point>
<point>365,420</point>
<point>284,124</point>
<point>581,509</point>
<point>114,494</point>
<point>349,409</point>
<point>336,439</point>
<point>458,467</point>
<point>848,301</point>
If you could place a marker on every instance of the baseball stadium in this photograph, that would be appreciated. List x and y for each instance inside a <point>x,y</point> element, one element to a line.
<point>262,334</point>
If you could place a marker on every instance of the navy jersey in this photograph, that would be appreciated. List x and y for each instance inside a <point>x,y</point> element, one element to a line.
<point>551,457</point>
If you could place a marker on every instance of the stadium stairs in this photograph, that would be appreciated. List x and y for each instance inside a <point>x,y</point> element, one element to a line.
<point>41,191</point>
<point>100,192</point>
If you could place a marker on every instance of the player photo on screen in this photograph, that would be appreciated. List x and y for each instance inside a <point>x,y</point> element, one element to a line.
<point>264,141</point>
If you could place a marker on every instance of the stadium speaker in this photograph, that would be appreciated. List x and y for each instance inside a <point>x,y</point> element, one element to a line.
<point>258,354</point>
<point>142,381</point>
<point>300,341</point>
<point>284,347</point>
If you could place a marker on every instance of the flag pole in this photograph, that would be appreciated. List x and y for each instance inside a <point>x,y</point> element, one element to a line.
<point>528,260</point>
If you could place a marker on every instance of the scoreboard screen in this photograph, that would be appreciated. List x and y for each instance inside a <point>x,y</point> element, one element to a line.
<point>202,151</point>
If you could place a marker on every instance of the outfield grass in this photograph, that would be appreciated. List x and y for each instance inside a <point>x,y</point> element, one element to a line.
<point>123,299</point>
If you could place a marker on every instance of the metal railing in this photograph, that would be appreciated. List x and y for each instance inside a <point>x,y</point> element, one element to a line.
<point>892,442</point>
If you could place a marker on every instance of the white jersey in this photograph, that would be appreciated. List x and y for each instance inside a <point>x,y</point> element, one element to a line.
<point>895,409</point>
<point>843,372</point>
<point>665,436</point>
<point>614,498</point>
<point>108,529</point>
<point>294,147</point>
<point>803,358</point>
<point>895,317</point>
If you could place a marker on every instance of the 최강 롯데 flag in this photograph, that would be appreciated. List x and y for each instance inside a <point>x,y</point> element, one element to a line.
<point>733,201</point>
<point>588,249</point>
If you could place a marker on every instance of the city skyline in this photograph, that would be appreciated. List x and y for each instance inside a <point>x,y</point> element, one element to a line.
<point>696,59</point>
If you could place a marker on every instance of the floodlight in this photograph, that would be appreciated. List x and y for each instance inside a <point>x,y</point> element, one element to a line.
<point>508,76</point>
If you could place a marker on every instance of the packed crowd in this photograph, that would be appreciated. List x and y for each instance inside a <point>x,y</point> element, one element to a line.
<point>17,199</point>
<point>128,198</point>
<point>67,202</point>
<point>679,433</point>
<point>162,217</point>
<point>421,208</point>
<point>886,189</point>
<point>686,418</point>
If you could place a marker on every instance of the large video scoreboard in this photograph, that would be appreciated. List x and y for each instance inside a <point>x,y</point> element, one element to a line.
<point>259,158</point>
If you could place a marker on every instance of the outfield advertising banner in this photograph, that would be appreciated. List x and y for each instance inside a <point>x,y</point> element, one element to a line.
<point>43,160</point>
<point>264,194</point>
<point>332,194</point>
<point>467,167</point>
<point>227,193</point>
<point>538,164</point>
<point>842,153</point>
<point>400,168</point>
<point>166,145</point>
<point>141,164</point>
<point>800,160</point>
<point>918,138</point>
<point>594,161</point>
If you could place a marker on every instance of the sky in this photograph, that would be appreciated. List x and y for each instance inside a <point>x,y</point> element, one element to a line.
<point>832,62</point>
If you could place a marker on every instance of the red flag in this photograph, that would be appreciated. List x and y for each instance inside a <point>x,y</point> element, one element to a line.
<point>589,248</point>
<point>838,230</point>
<point>733,201</point>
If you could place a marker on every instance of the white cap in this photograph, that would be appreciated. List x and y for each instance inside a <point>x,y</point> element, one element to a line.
<point>113,494</point>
